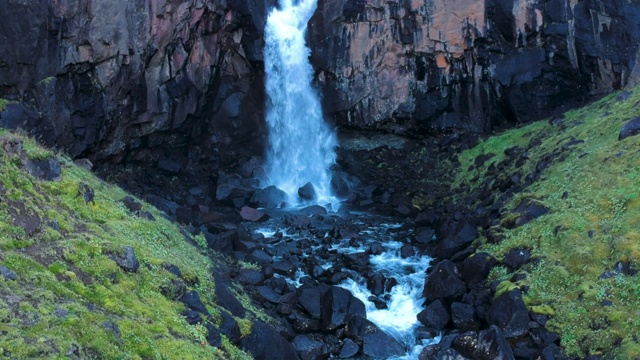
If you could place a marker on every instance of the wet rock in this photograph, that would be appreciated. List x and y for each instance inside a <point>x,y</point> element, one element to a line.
<point>475,269</point>
<point>251,214</point>
<point>515,258</point>
<point>266,293</point>
<point>358,261</point>
<point>266,343</point>
<point>7,273</point>
<point>349,349</point>
<point>509,313</point>
<point>375,342</point>
<point>464,317</point>
<point>310,349</point>
<point>269,197</point>
<point>631,128</point>
<point>232,186</point>
<point>226,299</point>
<point>128,260</point>
<point>47,169</point>
<point>526,211</point>
<point>376,248</point>
<point>170,166</point>
<point>260,257</point>
<point>435,315</point>
<point>489,344</point>
<point>307,192</point>
<point>337,305</point>
<point>375,283</point>
<point>444,282</point>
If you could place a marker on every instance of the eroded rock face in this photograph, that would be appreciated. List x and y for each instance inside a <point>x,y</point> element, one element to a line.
<point>116,79</point>
<point>468,64</point>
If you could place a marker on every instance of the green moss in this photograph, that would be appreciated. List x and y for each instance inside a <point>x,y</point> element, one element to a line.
<point>70,287</point>
<point>591,189</point>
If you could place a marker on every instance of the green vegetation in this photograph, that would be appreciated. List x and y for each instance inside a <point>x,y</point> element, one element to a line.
<point>593,226</point>
<point>69,293</point>
<point>4,103</point>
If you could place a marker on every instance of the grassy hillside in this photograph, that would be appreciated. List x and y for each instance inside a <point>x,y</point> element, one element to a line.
<point>586,250</point>
<point>70,299</point>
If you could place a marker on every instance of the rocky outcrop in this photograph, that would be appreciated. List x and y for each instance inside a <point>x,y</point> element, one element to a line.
<point>129,80</point>
<point>468,64</point>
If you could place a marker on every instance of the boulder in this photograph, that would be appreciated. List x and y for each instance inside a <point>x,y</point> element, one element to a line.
<point>349,349</point>
<point>309,297</point>
<point>251,214</point>
<point>226,299</point>
<point>128,260</point>
<point>7,273</point>
<point>307,192</point>
<point>475,269</point>
<point>515,258</point>
<point>310,349</point>
<point>454,237</point>
<point>375,343</point>
<point>509,313</point>
<point>337,305</point>
<point>269,197</point>
<point>444,282</point>
<point>229,327</point>
<point>191,300</point>
<point>489,344</point>
<point>435,315</point>
<point>464,317</point>
<point>265,343</point>
<point>48,169</point>
<point>630,128</point>
<point>250,277</point>
<point>526,211</point>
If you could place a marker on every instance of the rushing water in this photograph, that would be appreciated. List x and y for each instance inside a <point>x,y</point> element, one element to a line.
<point>301,144</point>
<point>405,300</point>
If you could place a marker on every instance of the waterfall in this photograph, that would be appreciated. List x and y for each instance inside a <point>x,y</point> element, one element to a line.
<point>301,144</point>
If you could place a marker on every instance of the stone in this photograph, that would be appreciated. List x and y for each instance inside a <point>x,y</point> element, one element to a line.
<point>349,349</point>
<point>192,317</point>
<point>489,344</point>
<point>475,269</point>
<point>375,342</point>
<point>251,214</point>
<point>444,282</point>
<point>407,251</point>
<point>127,261</point>
<point>264,342</point>
<point>509,313</point>
<point>464,317</point>
<point>269,197</point>
<point>213,336</point>
<point>226,299</point>
<point>7,273</point>
<point>424,235</point>
<point>435,315</point>
<point>313,210</point>
<point>191,300</point>
<point>229,327</point>
<point>309,349</point>
<point>630,128</point>
<point>526,211</point>
<point>307,192</point>
<point>48,169</point>
<point>131,203</point>
<point>515,258</point>
<point>309,297</point>
<point>297,221</point>
<point>337,305</point>
<point>250,277</point>
<point>222,242</point>
<point>453,237</point>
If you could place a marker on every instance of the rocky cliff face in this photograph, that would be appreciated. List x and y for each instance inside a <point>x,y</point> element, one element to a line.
<point>408,65</point>
<point>143,80</point>
<point>134,80</point>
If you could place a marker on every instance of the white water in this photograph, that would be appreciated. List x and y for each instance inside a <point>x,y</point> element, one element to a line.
<point>400,318</point>
<point>301,144</point>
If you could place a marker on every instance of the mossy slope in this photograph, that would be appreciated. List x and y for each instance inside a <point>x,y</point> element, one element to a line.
<point>587,248</point>
<point>70,299</point>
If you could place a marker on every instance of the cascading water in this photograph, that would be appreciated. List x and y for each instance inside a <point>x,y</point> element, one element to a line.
<point>301,145</point>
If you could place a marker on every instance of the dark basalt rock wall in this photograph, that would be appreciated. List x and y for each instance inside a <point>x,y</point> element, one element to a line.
<point>135,80</point>
<point>469,64</point>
